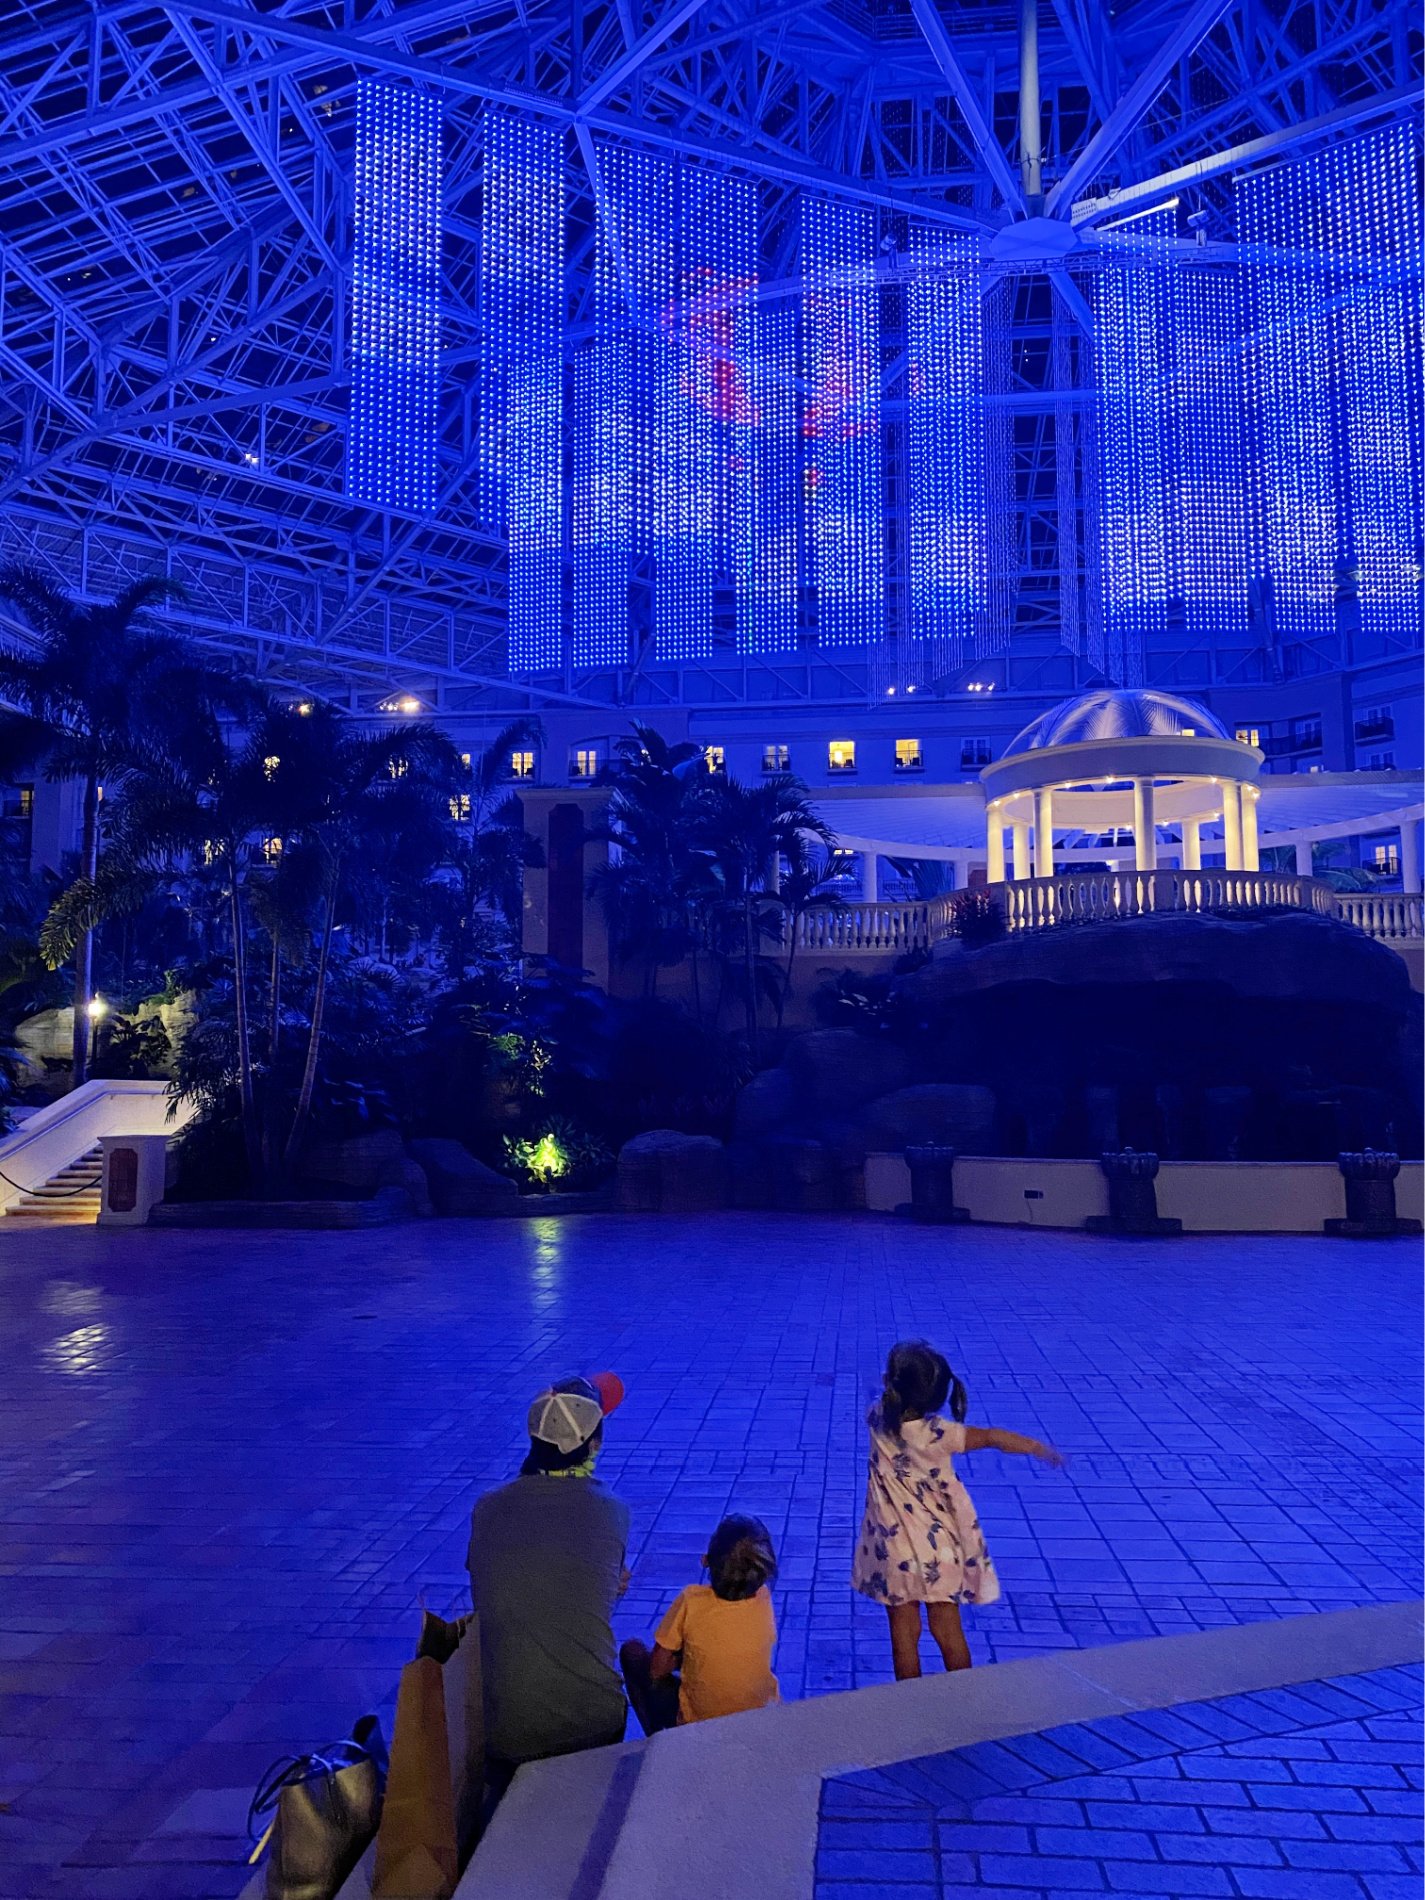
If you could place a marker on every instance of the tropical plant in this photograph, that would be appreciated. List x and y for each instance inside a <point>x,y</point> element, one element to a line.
<point>743,828</point>
<point>654,888</point>
<point>976,917</point>
<point>489,848</point>
<point>101,695</point>
<point>561,1155</point>
<point>803,888</point>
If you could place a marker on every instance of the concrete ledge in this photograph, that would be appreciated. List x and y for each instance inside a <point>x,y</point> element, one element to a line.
<point>383,1208</point>
<point>729,1809</point>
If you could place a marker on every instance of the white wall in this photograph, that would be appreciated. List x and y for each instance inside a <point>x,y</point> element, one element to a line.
<point>61,1131</point>
<point>1231,1197</point>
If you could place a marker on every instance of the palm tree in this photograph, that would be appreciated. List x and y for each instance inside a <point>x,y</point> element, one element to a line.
<point>657,882</point>
<point>100,695</point>
<point>743,828</point>
<point>802,889</point>
<point>490,846</point>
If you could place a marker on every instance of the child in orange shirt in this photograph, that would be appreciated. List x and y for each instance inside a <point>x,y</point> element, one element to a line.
<point>721,1634</point>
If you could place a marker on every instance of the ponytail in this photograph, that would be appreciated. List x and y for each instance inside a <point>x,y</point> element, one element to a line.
<point>918,1382</point>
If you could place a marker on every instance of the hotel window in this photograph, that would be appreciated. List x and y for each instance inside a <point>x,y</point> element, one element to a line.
<point>1375,722</point>
<point>521,765</point>
<point>1382,762</point>
<point>584,762</point>
<point>715,758</point>
<point>974,753</point>
<point>1388,860</point>
<point>908,755</point>
<point>398,768</point>
<point>776,758</point>
<point>1306,733</point>
<point>1249,735</point>
<point>460,808</point>
<point>271,850</point>
<point>841,755</point>
<point>269,766</point>
<point>18,801</point>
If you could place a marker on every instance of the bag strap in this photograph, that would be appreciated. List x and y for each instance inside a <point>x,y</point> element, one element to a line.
<point>291,1770</point>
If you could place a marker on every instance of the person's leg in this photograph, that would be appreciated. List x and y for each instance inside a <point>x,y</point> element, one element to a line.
<point>949,1634</point>
<point>654,1703</point>
<point>905,1639</point>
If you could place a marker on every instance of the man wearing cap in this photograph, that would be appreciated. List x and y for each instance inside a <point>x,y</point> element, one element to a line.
<point>546,1568</point>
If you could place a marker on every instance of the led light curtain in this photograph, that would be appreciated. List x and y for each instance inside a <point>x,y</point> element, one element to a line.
<point>1333,251</point>
<point>1208,533</point>
<point>842,470</point>
<point>522,293</point>
<point>395,298</point>
<point>946,372</point>
<point>767,598</point>
<point>1131,350</point>
<point>605,427</point>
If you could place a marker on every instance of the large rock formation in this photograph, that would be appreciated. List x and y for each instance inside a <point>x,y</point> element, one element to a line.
<point>667,1172</point>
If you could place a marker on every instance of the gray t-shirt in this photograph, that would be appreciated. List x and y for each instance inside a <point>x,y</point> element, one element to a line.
<point>546,1556</point>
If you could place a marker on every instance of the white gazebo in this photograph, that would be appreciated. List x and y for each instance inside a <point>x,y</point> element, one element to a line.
<point>1113,761</point>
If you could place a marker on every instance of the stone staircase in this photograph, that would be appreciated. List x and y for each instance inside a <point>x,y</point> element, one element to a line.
<point>71,1196</point>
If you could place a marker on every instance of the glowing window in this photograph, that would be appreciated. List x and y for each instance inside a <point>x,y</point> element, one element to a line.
<point>271,850</point>
<point>521,765</point>
<point>716,758</point>
<point>269,766</point>
<point>776,758</point>
<point>397,768</point>
<point>908,756</point>
<point>27,801</point>
<point>1249,735</point>
<point>1388,858</point>
<point>841,755</point>
<point>584,762</point>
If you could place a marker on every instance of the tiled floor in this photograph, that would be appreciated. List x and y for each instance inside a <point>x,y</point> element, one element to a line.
<point>1307,1793</point>
<point>232,1466</point>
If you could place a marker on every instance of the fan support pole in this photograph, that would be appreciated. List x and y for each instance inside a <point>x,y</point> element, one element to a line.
<point>1030,152</point>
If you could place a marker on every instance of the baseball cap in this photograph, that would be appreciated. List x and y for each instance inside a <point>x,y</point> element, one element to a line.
<point>568,1414</point>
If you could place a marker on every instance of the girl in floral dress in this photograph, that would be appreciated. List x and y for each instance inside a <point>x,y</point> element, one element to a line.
<point>920,1539</point>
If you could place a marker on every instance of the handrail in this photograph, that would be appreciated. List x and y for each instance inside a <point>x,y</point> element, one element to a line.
<point>1390,916</point>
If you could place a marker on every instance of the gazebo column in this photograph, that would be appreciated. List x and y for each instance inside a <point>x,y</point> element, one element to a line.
<point>1303,857</point>
<point>1044,832</point>
<point>1232,824</point>
<point>1251,861</point>
<point>1019,835</point>
<point>1410,855</point>
<point>870,878</point>
<point>1192,844</point>
<point>994,846</point>
<point>1145,836</point>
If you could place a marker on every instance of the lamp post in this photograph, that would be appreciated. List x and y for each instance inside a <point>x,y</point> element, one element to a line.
<point>97,1009</point>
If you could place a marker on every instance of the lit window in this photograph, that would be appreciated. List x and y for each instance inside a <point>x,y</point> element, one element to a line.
<point>460,808</point>
<point>841,755</point>
<point>397,768</point>
<point>908,757</point>
<point>271,850</point>
<point>716,758</point>
<point>465,760</point>
<point>27,801</point>
<point>521,765</point>
<point>776,758</point>
<point>1388,859</point>
<point>974,753</point>
<point>584,762</point>
<point>1249,735</point>
<point>269,766</point>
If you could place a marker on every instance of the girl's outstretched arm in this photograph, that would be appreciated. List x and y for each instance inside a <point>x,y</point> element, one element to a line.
<point>988,1438</point>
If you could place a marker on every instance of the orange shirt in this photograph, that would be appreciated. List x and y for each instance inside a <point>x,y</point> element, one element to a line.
<point>727,1651</point>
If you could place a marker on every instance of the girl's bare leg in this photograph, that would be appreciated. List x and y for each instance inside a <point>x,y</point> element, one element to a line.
<point>949,1634</point>
<point>905,1639</point>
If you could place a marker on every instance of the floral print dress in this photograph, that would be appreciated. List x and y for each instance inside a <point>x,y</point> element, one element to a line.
<point>920,1539</point>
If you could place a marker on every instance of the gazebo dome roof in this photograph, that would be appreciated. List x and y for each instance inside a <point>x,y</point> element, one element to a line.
<point>1111,713</point>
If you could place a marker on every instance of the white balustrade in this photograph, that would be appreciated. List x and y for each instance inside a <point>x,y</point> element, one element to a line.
<point>1393,916</point>
<point>849,929</point>
<point>1106,896</point>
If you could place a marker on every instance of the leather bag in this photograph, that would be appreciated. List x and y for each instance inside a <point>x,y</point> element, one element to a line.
<point>326,1807</point>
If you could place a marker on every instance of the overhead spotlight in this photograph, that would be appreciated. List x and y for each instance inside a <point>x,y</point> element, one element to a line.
<point>890,692</point>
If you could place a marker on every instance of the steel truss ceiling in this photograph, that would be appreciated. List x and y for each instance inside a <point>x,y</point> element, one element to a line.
<point>175,230</point>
